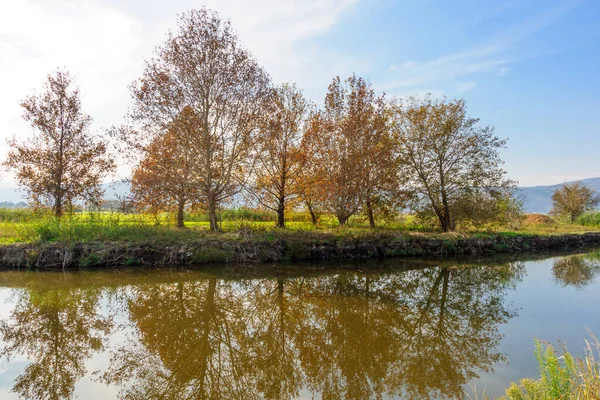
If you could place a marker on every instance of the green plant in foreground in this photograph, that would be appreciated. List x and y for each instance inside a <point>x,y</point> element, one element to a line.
<point>561,376</point>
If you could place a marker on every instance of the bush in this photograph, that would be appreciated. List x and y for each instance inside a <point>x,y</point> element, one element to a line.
<point>589,219</point>
<point>210,255</point>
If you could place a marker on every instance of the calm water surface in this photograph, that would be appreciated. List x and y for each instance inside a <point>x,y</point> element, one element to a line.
<point>431,331</point>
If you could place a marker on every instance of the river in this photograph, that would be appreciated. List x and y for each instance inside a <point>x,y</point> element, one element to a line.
<point>398,329</point>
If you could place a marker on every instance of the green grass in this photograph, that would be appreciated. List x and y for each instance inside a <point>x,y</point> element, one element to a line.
<point>590,219</point>
<point>27,226</point>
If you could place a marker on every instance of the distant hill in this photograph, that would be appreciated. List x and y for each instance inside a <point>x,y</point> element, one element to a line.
<point>538,199</point>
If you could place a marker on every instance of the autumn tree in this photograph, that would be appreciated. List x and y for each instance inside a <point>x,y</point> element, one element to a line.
<point>573,199</point>
<point>63,161</point>
<point>203,67</point>
<point>376,165</point>
<point>309,185</point>
<point>280,160</point>
<point>165,180</point>
<point>351,149</point>
<point>448,158</point>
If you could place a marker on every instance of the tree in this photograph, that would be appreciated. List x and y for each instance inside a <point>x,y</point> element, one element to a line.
<point>377,163</point>
<point>189,342</point>
<point>63,161</point>
<point>279,161</point>
<point>309,184</point>
<point>573,199</point>
<point>448,158</point>
<point>164,179</point>
<point>202,66</point>
<point>350,148</point>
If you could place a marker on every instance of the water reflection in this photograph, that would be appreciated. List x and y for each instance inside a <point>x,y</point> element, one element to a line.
<point>578,270</point>
<point>418,334</point>
<point>58,330</point>
<point>347,335</point>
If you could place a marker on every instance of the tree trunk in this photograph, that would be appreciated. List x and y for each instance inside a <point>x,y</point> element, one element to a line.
<point>180,213</point>
<point>205,344</point>
<point>446,274</point>
<point>343,219</point>
<point>313,216</point>
<point>370,214</point>
<point>281,213</point>
<point>58,206</point>
<point>212,213</point>
<point>447,222</point>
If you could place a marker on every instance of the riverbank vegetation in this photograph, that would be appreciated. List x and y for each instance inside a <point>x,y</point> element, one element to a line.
<point>562,375</point>
<point>27,226</point>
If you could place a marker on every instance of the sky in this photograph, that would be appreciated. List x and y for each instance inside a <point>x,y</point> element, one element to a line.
<point>530,68</point>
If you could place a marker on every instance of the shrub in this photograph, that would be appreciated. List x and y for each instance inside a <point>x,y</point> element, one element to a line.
<point>208,255</point>
<point>589,219</point>
<point>561,377</point>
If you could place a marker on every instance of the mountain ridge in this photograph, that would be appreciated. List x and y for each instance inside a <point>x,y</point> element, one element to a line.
<point>538,199</point>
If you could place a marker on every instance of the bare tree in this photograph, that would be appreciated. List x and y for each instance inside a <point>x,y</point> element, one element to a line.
<point>333,180</point>
<point>203,67</point>
<point>448,158</point>
<point>573,199</point>
<point>63,161</point>
<point>280,161</point>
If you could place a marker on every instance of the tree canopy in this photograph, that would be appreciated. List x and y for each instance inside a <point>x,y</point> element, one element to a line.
<point>573,199</point>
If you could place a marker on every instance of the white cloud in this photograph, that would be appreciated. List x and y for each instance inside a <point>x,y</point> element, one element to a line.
<point>463,87</point>
<point>103,43</point>
<point>503,71</point>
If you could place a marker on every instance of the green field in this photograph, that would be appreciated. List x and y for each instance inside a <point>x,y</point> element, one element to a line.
<point>26,226</point>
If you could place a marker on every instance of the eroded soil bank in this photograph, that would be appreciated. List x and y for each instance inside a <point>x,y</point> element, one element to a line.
<point>112,255</point>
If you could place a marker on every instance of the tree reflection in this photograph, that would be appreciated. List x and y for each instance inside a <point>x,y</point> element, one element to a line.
<point>577,271</point>
<point>190,343</point>
<point>418,333</point>
<point>58,330</point>
<point>278,309</point>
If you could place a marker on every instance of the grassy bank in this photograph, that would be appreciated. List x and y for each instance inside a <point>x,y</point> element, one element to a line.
<point>36,240</point>
<point>25,226</point>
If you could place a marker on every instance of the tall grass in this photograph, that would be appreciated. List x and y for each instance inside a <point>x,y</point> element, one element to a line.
<point>589,219</point>
<point>561,376</point>
<point>22,215</point>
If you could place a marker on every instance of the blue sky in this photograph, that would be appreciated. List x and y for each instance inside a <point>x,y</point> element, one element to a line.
<point>528,67</point>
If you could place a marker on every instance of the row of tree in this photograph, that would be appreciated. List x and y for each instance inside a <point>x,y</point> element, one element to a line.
<point>206,125</point>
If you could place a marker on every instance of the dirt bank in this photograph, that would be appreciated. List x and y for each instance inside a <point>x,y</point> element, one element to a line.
<point>111,255</point>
